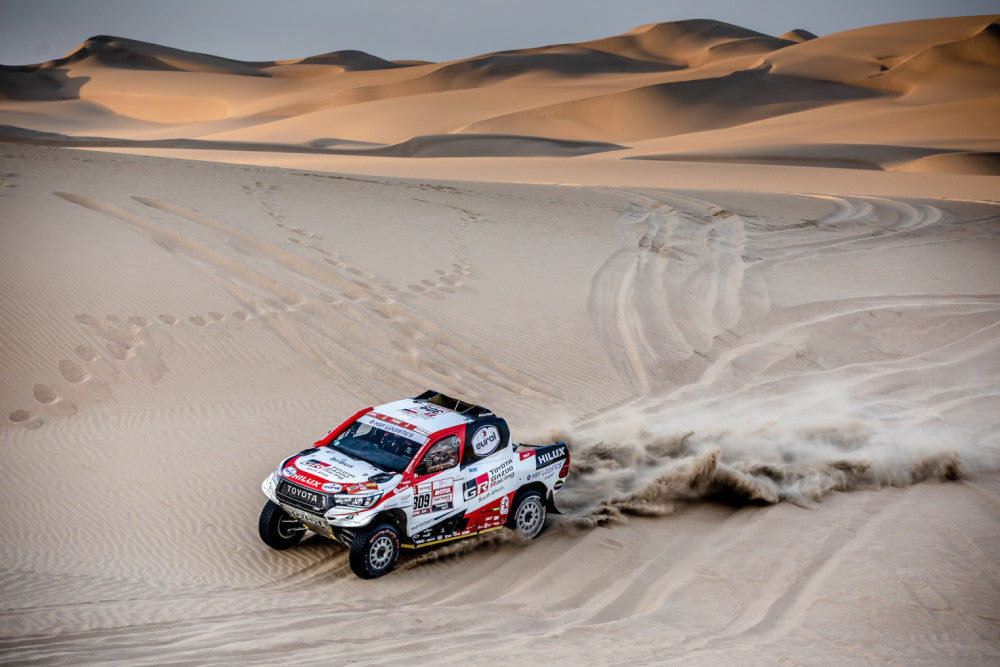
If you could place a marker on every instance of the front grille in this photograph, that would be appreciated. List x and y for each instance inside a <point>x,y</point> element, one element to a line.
<point>303,498</point>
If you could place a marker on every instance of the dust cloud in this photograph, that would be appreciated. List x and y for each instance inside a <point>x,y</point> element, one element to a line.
<point>653,459</point>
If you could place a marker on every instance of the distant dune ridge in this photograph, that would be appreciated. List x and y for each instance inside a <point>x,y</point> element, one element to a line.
<point>696,89</point>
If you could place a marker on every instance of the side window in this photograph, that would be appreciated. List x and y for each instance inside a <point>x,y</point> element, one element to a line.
<point>483,439</point>
<point>442,455</point>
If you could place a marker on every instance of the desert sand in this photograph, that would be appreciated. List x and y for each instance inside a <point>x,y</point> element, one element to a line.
<point>752,280</point>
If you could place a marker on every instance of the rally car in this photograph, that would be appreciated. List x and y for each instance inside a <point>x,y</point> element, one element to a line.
<point>409,474</point>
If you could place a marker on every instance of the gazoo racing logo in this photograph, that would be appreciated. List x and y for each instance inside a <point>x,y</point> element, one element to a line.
<point>490,481</point>
<point>486,440</point>
<point>546,456</point>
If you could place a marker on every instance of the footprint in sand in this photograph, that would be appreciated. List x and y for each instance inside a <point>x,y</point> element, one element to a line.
<point>72,371</point>
<point>87,353</point>
<point>25,419</point>
<point>139,321</point>
<point>53,404</point>
<point>89,320</point>
<point>361,273</point>
<point>198,320</point>
<point>119,352</point>
<point>303,232</point>
<point>169,319</point>
<point>45,394</point>
<point>217,316</point>
<point>422,290</point>
<point>241,315</point>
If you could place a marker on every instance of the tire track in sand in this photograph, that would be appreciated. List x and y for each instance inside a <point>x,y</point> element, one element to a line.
<point>677,283</point>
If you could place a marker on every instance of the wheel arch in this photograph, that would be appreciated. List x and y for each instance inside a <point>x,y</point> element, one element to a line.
<point>548,497</point>
<point>532,486</point>
<point>396,517</point>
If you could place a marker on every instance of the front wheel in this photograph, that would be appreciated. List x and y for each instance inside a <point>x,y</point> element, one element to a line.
<point>374,551</point>
<point>278,528</point>
<point>528,517</point>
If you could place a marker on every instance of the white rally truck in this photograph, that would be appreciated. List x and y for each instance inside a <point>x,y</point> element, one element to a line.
<point>409,474</point>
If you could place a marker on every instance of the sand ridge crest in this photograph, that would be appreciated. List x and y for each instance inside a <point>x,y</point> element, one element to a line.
<point>698,83</point>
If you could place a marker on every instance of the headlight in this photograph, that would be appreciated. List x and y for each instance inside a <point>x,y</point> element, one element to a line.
<point>360,500</point>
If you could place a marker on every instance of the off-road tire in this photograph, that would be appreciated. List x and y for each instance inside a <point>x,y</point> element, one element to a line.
<point>278,528</point>
<point>528,516</point>
<point>374,550</point>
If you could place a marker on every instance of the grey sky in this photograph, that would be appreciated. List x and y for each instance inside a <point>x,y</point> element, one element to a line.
<point>34,31</point>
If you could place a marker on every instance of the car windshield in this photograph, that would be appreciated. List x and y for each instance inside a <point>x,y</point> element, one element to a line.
<point>385,450</point>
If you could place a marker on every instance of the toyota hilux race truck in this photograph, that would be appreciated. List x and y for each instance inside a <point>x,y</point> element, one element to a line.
<point>409,474</point>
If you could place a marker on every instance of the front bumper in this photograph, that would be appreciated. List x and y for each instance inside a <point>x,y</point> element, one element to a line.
<point>326,523</point>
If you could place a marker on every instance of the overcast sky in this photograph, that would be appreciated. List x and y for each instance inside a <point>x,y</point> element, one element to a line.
<point>33,31</point>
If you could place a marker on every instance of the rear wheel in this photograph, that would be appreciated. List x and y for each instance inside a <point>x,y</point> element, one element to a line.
<point>528,517</point>
<point>278,528</point>
<point>374,551</point>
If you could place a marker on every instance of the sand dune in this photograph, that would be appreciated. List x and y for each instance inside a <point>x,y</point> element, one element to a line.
<point>170,341</point>
<point>678,107</point>
<point>762,308</point>
<point>688,43</point>
<point>657,82</point>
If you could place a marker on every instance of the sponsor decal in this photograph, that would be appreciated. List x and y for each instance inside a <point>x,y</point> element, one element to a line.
<point>486,440</point>
<point>425,411</point>
<point>546,456</point>
<point>292,491</point>
<point>501,473</point>
<point>478,485</point>
<point>305,480</point>
<point>392,420</point>
<point>342,474</point>
<point>526,455</point>
<point>395,421</point>
<point>359,487</point>
<point>324,469</point>
<point>434,496</point>
<point>289,471</point>
<point>397,427</point>
<point>331,487</point>
<point>489,482</point>
<point>311,519</point>
<point>558,485</point>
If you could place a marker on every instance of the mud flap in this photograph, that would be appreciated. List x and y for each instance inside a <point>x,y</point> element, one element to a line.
<point>550,504</point>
